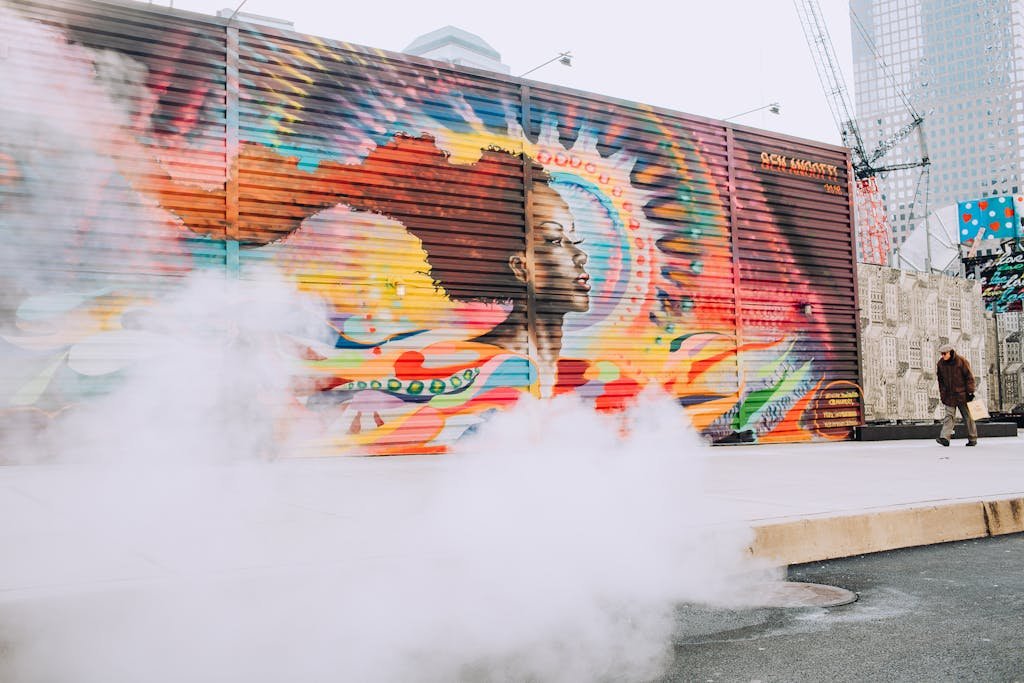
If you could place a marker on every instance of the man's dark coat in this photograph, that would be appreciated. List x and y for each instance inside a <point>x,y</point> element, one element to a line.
<point>955,380</point>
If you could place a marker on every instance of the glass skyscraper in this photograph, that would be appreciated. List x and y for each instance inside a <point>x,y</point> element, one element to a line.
<point>961,65</point>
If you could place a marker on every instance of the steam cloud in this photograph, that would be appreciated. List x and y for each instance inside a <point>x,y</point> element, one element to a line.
<point>549,548</point>
<point>160,536</point>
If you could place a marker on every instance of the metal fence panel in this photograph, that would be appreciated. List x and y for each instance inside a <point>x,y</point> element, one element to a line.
<point>474,238</point>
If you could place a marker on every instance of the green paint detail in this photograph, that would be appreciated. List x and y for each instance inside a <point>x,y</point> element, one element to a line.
<point>607,371</point>
<point>375,384</point>
<point>361,385</point>
<point>437,386</point>
<point>678,341</point>
<point>794,378</point>
<point>456,382</point>
<point>769,369</point>
<point>754,401</point>
<point>757,400</point>
<point>394,385</point>
<point>450,400</point>
<point>415,387</point>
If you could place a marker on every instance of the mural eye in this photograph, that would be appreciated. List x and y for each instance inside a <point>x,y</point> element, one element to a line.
<point>557,241</point>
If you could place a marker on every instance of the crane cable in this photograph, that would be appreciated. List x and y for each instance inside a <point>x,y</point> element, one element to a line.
<point>925,175</point>
<point>886,70</point>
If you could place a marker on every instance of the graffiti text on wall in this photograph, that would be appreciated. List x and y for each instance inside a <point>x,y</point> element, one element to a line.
<point>804,167</point>
<point>1002,281</point>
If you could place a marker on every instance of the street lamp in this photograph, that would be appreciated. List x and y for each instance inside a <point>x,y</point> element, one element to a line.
<point>564,58</point>
<point>232,14</point>
<point>774,108</point>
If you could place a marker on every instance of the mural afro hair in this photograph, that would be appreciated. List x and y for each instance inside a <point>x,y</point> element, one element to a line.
<point>468,217</point>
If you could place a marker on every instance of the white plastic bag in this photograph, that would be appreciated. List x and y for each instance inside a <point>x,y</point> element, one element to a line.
<point>978,409</point>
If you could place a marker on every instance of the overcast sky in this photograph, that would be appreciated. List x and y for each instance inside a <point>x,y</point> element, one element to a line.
<point>714,58</point>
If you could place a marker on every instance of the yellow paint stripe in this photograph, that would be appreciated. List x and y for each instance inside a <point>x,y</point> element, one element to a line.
<point>299,54</point>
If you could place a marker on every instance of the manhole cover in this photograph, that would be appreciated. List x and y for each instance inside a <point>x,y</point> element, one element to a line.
<point>795,594</point>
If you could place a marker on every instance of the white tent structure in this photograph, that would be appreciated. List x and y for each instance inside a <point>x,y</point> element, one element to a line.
<point>934,245</point>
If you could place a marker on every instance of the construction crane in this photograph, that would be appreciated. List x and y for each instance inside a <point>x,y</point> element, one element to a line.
<point>873,229</point>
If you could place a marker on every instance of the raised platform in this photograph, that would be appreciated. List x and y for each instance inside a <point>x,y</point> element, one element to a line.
<point>887,432</point>
<point>816,539</point>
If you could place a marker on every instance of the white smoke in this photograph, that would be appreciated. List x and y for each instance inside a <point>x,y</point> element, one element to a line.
<point>68,215</point>
<point>551,548</point>
<point>211,372</point>
<point>170,538</point>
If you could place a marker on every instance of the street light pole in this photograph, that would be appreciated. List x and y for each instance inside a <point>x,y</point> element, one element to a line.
<point>773,107</point>
<point>564,58</point>
<point>232,14</point>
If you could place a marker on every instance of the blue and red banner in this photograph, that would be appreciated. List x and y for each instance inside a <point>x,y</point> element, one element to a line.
<point>995,218</point>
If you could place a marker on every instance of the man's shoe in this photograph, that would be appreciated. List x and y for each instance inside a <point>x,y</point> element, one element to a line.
<point>944,442</point>
<point>972,443</point>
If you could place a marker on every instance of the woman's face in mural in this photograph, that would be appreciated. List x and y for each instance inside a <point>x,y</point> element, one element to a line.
<point>560,280</point>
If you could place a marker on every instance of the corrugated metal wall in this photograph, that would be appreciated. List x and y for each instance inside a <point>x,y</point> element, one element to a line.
<point>475,237</point>
<point>85,241</point>
<point>796,269</point>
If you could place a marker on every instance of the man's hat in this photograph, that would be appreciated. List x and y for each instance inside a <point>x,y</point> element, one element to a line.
<point>944,348</point>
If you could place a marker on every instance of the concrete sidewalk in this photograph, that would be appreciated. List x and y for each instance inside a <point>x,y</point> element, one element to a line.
<point>820,501</point>
<point>62,525</point>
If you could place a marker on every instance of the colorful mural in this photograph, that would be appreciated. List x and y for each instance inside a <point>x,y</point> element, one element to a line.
<point>475,239</point>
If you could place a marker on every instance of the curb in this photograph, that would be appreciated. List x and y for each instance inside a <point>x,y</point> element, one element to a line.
<point>827,538</point>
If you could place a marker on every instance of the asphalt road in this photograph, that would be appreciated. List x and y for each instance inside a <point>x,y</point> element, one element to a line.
<point>950,612</point>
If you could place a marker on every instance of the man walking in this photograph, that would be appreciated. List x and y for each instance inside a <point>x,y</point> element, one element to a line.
<point>956,389</point>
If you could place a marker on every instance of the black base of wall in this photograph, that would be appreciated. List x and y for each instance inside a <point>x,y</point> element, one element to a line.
<point>887,432</point>
<point>1009,417</point>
